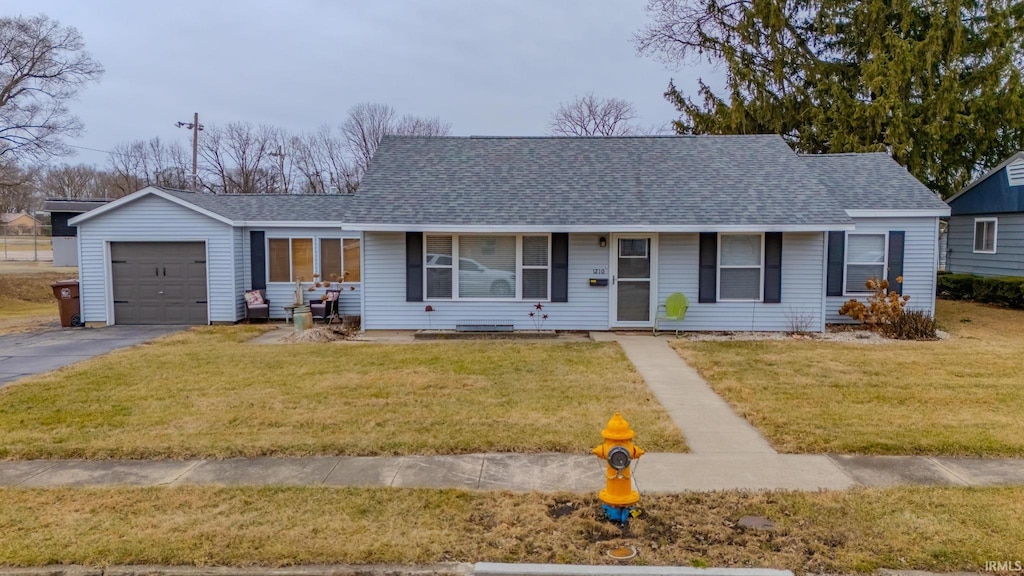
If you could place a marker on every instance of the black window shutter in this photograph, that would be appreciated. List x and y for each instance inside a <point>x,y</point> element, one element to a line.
<point>836,253</point>
<point>559,267</point>
<point>414,266</point>
<point>773,267</point>
<point>708,281</point>
<point>896,243</point>
<point>258,259</point>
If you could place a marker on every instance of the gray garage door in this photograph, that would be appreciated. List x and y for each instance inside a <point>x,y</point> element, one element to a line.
<point>159,282</point>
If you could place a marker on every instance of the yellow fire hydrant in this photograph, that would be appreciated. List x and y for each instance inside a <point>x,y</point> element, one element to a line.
<point>618,451</point>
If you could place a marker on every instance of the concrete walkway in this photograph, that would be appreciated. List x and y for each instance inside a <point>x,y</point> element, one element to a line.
<point>36,352</point>
<point>705,419</point>
<point>654,473</point>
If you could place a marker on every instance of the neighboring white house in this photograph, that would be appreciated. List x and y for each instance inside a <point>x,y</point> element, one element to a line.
<point>446,232</point>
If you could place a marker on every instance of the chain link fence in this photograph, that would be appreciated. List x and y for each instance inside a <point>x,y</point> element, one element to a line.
<point>25,241</point>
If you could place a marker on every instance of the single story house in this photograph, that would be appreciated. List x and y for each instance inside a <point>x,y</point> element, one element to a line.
<point>64,236</point>
<point>17,224</point>
<point>476,231</point>
<point>986,223</point>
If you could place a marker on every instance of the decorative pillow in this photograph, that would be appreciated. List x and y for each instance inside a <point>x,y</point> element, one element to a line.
<point>253,298</point>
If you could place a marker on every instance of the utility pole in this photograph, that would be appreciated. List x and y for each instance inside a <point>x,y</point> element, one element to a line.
<point>195,127</point>
<point>280,158</point>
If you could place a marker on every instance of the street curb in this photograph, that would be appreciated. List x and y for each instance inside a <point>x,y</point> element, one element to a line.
<point>494,569</point>
<point>444,568</point>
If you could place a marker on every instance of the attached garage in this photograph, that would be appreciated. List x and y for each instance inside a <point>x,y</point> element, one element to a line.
<point>159,282</point>
<point>154,258</point>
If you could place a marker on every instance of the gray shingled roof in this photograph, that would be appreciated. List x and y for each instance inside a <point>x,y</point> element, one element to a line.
<point>270,207</point>
<point>872,181</point>
<point>752,181</point>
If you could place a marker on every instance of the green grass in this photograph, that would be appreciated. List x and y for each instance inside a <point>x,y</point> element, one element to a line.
<point>939,529</point>
<point>960,396</point>
<point>209,393</point>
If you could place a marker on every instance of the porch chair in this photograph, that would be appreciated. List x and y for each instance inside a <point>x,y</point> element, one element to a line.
<point>257,305</point>
<point>326,309</point>
<point>673,309</point>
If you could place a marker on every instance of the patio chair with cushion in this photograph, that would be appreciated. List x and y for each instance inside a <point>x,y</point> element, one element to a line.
<point>256,305</point>
<point>327,308</point>
<point>674,309</point>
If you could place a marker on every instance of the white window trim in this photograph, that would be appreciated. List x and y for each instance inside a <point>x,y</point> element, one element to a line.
<point>846,260</point>
<point>455,269</point>
<point>291,280</point>
<point>718,269</point>
<point>995,235</point>
<point>318,258</point>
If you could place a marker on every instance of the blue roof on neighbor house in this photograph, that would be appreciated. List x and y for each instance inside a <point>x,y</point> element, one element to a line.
<point>993,193</point>
<point>753,181</point>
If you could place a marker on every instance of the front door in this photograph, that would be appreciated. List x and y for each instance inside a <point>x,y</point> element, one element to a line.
<point>634,280</point>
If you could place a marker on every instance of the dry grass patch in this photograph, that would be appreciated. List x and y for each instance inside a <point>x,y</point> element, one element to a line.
<point>941,529</point>
<point>26,299</point>
<point>207,393</point>
<point>25,243</point>
<point>960,396</point>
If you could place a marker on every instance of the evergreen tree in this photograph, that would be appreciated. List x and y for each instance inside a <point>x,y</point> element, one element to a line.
<point>936,83</point>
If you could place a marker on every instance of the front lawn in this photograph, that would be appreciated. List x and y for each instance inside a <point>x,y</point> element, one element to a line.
<point>939,529</point>
<point>959,397</point>
<point>26,299</point>
<point>210,393</point>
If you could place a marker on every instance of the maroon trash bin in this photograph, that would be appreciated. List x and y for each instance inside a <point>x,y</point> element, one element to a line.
<point>66,293</point>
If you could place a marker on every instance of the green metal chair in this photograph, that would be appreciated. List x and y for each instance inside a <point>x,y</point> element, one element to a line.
<point>673,309</point>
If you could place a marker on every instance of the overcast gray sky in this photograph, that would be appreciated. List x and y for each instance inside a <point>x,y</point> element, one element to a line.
<point>488,67</point>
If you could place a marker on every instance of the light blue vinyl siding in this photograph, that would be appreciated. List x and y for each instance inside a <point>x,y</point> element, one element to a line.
<point>802,287</point>
<point>386,308</point>
<point>920,261</point>
<point>1009,257</point>
<point>154,219</point>
<point>282,294</point>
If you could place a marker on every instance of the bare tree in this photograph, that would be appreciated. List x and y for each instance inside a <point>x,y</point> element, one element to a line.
<point>367,123</point>
<point>237,160</point>
<point>67,181</point>
<point>17,187</point>
<point>137,164</point>
<point>592,116</point>
<point>43,66</point>
<point>321,158</point>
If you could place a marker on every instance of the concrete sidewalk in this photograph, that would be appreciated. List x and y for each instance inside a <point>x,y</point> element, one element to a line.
<point>705,419</point>
<point>654,473</point>
<point>36,352</point>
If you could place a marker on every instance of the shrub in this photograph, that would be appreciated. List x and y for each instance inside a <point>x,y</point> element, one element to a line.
<point>911,325</point>
<point>882,306</point>
<point>956,286</point>
<point>1008,291</point>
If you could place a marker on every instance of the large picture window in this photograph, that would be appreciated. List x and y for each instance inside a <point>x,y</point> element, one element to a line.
<point>499,267</point>
<point>339,260</point>
<point>290,259</point>
<point>985,235</point>
<point>740,267</point>
<point>865,259</point>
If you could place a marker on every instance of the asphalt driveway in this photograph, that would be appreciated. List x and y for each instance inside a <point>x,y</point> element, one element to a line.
<point>35,352</point>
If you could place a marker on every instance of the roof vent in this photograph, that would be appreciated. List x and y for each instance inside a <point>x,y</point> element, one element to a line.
<point>1015,173</point>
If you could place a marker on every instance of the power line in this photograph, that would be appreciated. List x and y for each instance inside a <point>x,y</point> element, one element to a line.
<point>90,149</point>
